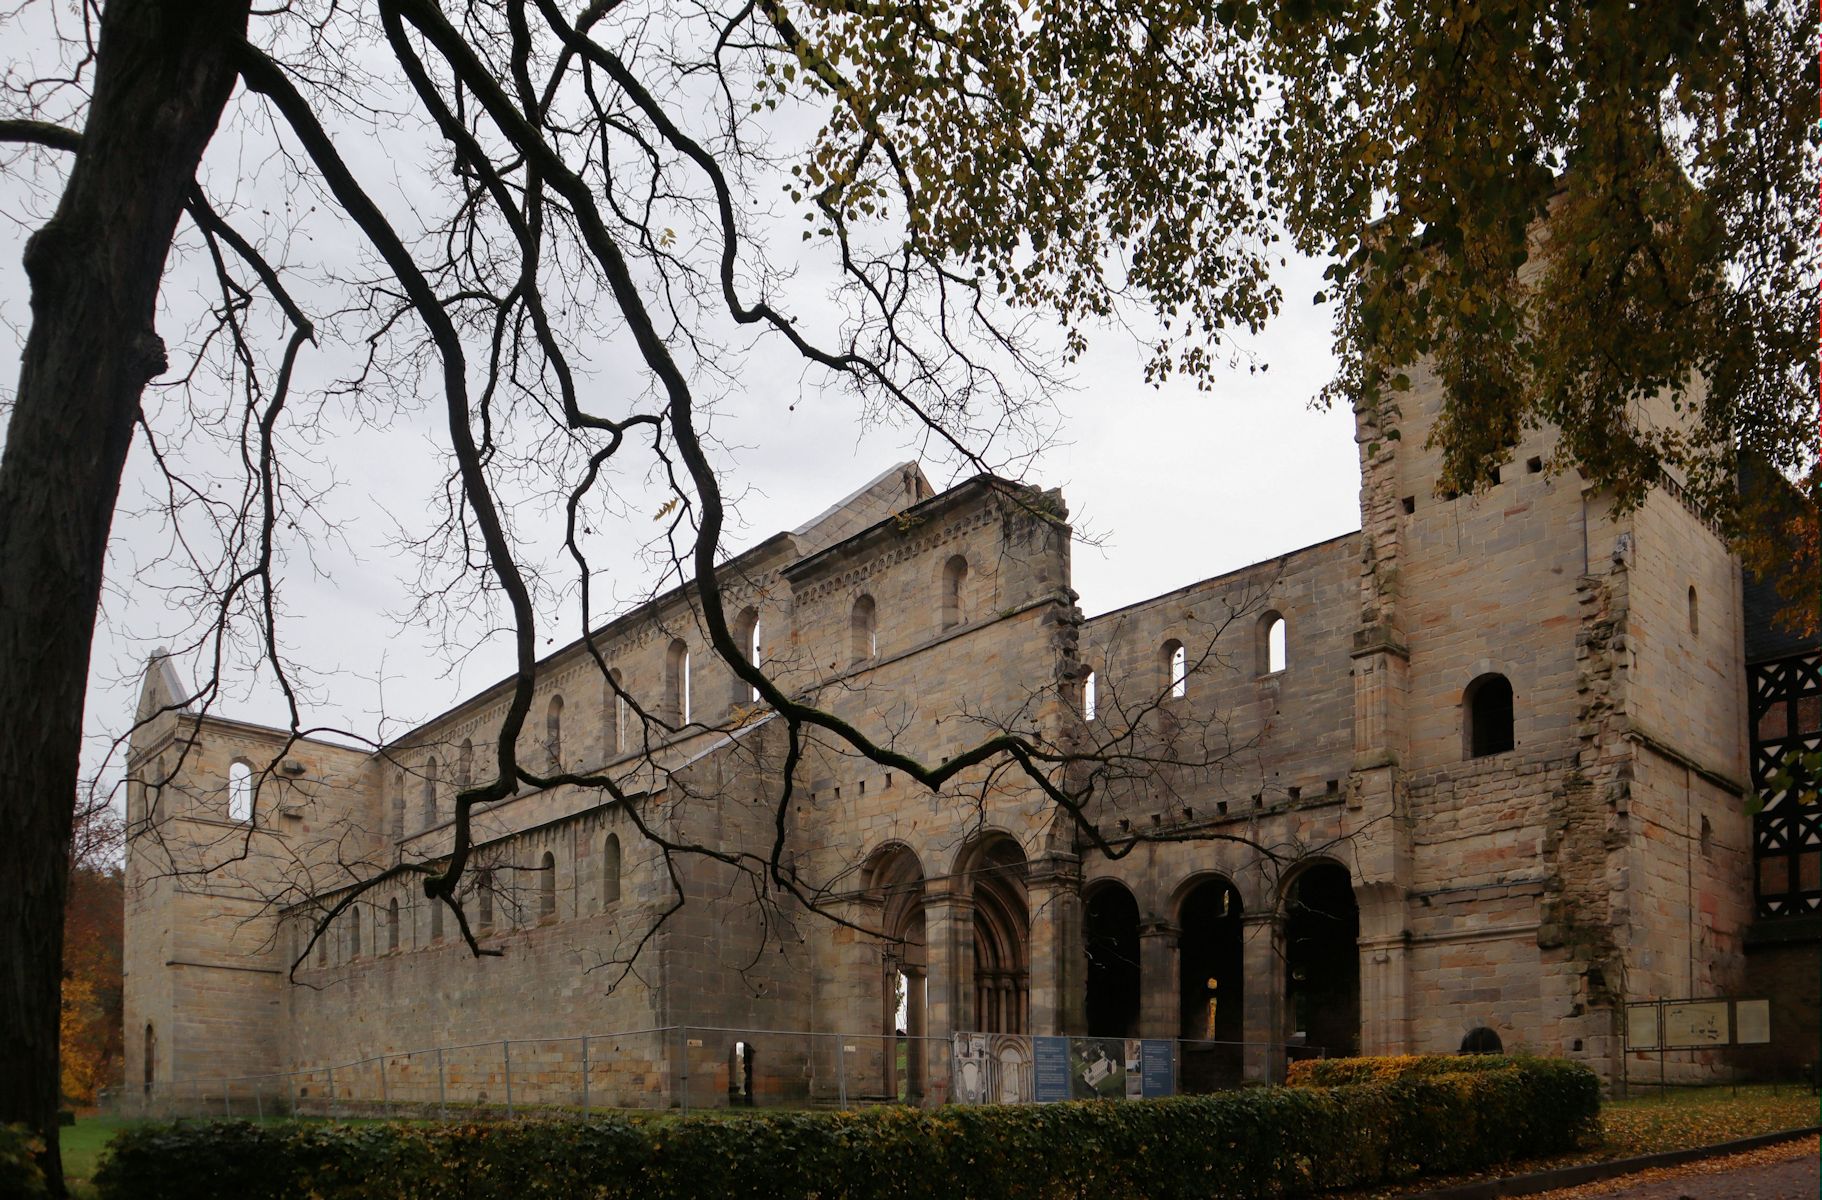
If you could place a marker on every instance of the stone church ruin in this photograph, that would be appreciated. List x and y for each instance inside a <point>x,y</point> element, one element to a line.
<point>1476,773</point>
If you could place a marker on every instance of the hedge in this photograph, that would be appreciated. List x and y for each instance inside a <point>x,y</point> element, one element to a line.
<point>20,1174</point>
<point>1334,1072</point>
<point>1251,1144</point>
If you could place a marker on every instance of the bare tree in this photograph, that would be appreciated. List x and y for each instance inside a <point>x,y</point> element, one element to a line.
<point>603,185</point>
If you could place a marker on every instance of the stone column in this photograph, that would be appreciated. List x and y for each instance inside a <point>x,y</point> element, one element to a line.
<point>1160,991</point>
<point>1262,974</point>
<point>949,988</point>
<point>1059,963</point>
<point>1384,971</point>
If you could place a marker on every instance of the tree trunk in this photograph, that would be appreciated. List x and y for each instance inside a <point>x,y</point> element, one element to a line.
<point>164,70</point>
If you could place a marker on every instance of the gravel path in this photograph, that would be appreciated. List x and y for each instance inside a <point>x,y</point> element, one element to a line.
<point>1786,1171</point>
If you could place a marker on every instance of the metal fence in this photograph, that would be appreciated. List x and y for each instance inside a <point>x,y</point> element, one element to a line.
<point>674,1067</point>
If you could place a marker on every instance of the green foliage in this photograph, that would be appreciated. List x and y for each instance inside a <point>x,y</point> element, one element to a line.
<point>1262,1143</point>
<point>19,1172</point>
<point>1334,1072</point>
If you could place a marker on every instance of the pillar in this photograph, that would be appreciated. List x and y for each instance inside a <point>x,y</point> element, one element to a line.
<point>1384,971</point>
<point>1059,963</point>
<point>949,986</point>
<point>1262,970</point>
<point>1160,990</point>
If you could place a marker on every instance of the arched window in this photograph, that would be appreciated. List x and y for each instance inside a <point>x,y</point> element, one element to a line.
<point>1694,622</point>
<point>547,885</point>
<point>955,575</point>
<point>746,632</point>
<point>619,712</point>
<point>1487,716</point>
<point>553,732</point>
<point>465,763</point>
<point>354,931</point>
<point>392,924</point>
<point>240,791</point>
<point>610,870</point>
<point>483,886</point>
<point>398,804</point>
<point>151,1058</point>
<point>430,793</point>
<point>1272,648</point>
<point>863,630</point>
<point>1089,698</point>
<point>1175,661</point>
<point>677,682</point>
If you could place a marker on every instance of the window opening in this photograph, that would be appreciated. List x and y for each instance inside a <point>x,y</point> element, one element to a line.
<point>547,886</point>
<point>740,1075</point>
<point>436,920</point>
<point>1273,649</point>
<point>610,870</point>
<point>677,682</point>
<point>392,924</point>
<point>483,883</point>
<point>1090,700</point>
<point>465,763</point>
<point>1487,705</point>
<point>430,793</point>
<point>955,575</point>
<point>863,629</point>
<point>240,791</point>
<point>1694,621</point>
<point>553,732</point>
<point>1176,668</point>
<point>354,932</point>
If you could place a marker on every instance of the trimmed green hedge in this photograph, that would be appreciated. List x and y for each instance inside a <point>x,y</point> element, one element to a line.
<point>1334,1072</point>
<point>1259,1143</point>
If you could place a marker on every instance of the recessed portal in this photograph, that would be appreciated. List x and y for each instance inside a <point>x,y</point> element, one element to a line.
<point>1111,940</point>
<point>1322,960</point>
<point>1211,986</point>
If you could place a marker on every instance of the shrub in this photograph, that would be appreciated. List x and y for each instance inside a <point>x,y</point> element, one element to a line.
<point>1249,1145</point>
<point>1333,1072</point>
<point>20,1174</point>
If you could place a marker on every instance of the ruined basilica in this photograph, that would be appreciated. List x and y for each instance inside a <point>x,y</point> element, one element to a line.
<point>1481,768</point>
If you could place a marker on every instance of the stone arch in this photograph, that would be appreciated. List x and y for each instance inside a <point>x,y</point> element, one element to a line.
<point>1322,956</point>
<point>893,880</point>
<point>992,867</point>
<point>1110,941</point>
<point>1211,980</point>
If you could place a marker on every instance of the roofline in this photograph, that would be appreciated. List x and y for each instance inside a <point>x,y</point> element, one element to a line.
<point>1236,572</point>
<point>942,500</point>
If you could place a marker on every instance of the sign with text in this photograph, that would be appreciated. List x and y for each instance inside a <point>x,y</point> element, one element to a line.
<point>1695,1024</point>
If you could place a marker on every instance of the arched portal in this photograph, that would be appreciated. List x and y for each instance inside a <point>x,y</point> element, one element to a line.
<point>1322,959</point>
<point>895,880</point>
<point>1002,932</point>
<point>1212,989</point>
<point>1110,937</point>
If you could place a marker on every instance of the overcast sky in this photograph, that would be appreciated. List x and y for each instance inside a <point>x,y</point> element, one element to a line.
<point>1175,484</point>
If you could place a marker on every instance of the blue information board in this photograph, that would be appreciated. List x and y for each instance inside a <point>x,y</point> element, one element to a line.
<point>1050,1058</point>
<point>1157,1068</point>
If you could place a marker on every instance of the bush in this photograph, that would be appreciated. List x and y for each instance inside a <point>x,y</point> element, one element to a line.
<point>1333,1072</point>
<point>1253,1144</point>
<point>20,1174</point>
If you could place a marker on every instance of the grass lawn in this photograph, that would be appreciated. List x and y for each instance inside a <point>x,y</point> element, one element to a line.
<point>82,1144</point>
